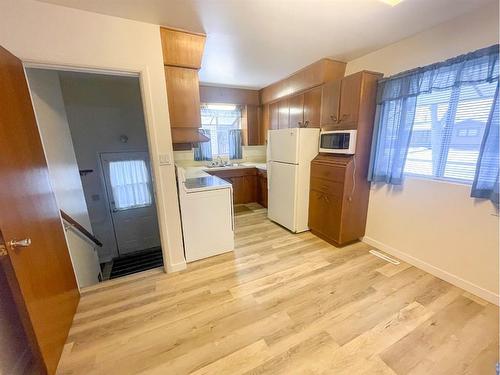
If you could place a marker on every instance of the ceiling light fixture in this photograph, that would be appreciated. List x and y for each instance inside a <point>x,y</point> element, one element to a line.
<point>392,3</point>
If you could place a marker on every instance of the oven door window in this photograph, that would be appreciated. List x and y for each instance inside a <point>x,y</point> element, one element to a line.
<point>335,141</point>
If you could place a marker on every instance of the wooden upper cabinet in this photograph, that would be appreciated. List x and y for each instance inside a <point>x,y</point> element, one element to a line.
<point>183,97</point>
<point>296,109</point>
<point>263,123</point>
<point>181,48</point>
<point>313,75</point>
<point>312,108</point>
<point>274,116</point>
<point>252,125</point>
<point>330,103</point>
<point>302,110</point>
<point>350,96</point>
<point>283,114</point>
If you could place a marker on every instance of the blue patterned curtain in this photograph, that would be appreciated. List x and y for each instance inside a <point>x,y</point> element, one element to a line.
<point>392,137</point>
<point>486,180</point>
<point>235,141</point>
<point>203,151</point>
<point>396,103</point>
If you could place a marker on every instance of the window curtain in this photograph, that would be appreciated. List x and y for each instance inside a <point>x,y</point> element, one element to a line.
<point>235,141</point>
<point>130,184</point>
<point>203,151</point>
<point>486,180</point>
<point>396,103</point>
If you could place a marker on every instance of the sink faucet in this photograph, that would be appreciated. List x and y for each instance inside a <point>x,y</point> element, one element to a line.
<point>219,161</point>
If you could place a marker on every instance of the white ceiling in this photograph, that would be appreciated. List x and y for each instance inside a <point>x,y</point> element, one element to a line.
<point>252,43</point>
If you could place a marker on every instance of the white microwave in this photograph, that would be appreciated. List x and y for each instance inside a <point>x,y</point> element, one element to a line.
<point>338,141</point>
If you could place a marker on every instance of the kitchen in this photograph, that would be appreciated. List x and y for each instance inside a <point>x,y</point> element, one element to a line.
<point>277,143</point>
<point>324,176</point>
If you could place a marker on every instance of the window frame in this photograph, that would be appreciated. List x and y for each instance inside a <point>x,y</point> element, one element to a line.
<point>451,113</point>
<point>240,125</point>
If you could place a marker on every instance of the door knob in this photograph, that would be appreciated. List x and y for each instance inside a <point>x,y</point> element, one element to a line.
<point>20,243</point>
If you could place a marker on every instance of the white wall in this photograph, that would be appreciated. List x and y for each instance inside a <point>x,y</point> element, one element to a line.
<point>436,225</point>
<point>100,109</point>
<point>41,32</point>
<point>63,169</point>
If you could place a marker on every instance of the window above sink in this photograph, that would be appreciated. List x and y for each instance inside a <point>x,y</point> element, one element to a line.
<point>227,127</point>
<point>217,120</point>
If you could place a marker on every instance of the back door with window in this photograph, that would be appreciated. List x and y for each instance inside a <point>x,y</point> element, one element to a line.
<point>130,195</point>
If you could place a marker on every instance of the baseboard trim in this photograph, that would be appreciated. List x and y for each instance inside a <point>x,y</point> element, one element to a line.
<point>438,272</point>
<point>22,363</point>
<point>176,267</point>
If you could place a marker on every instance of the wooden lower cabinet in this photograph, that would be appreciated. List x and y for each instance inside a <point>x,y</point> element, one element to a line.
<point>245,183</point>
<point>262,188</point>
<point>338,199</point>
<point>325,217</point>
<point>244,189</point>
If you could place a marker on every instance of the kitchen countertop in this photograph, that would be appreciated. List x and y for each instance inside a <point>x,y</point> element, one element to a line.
<point>262,166</point>
<point>205,183</point>
<point>201,171</point>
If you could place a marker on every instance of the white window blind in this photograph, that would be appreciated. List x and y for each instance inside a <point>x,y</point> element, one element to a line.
<point>448,130</point>
<point>130,184</point>
<point>219,119</point>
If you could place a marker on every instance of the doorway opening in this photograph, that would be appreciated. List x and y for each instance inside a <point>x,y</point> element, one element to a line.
<point>93,130</point>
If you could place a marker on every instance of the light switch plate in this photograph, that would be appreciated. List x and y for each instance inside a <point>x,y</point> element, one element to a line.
<point>164,159</point>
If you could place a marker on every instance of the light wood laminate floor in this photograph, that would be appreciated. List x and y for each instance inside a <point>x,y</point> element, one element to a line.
<point>282,304</point>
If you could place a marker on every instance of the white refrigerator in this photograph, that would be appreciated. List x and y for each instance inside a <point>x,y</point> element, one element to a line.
<point>289,156</point>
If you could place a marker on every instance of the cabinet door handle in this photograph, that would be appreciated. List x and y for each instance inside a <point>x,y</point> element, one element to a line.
<point>300,124</point>
<point>306,124</point>
<point>345,116</point>
<point>333,117</point>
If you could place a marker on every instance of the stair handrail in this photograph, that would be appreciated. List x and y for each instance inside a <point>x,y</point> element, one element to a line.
<point>72,223</point>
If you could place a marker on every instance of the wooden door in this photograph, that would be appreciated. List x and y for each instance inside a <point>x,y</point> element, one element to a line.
<point>330,103</point>
<point>183,92</point>
<point>182,48</point>
<point>249,189</point>
<point>284,114</point>
<point>252,125</point>
<point>316,210</point>
<point>40,275</point>
<point>350,94</point>
<point>274,116</point>
<point>244,189</point>
<point>312,108</point>
<point>296,118</point>
<point>324,215</point>
<point>262,188</point>
<point>263,123</point>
